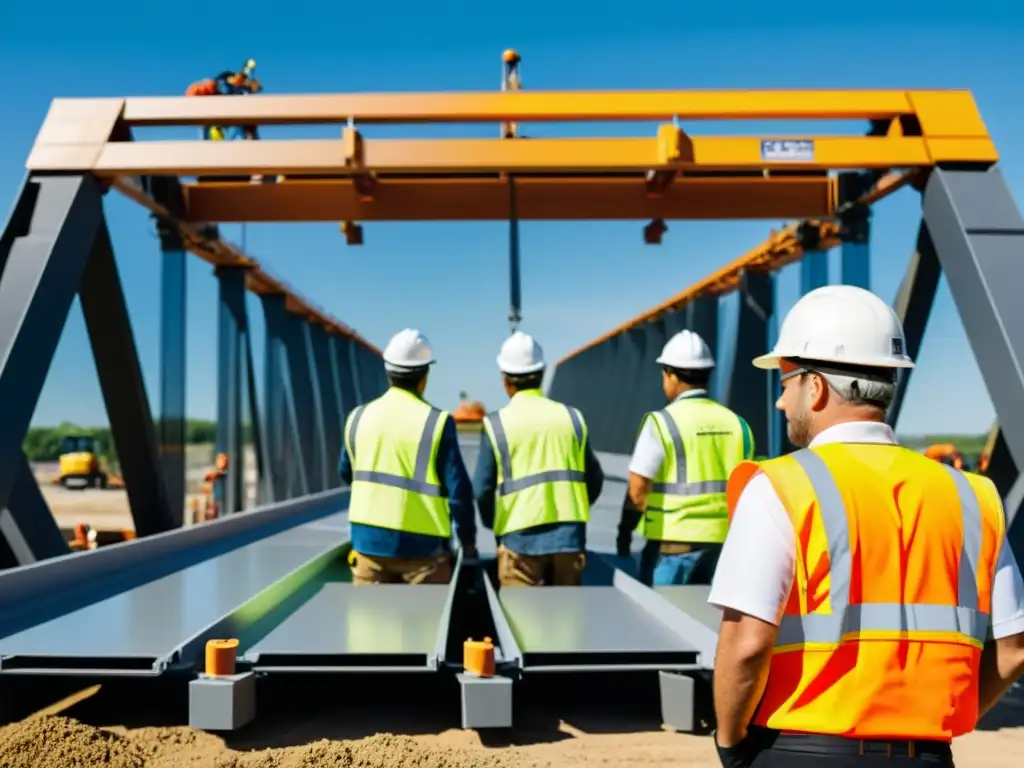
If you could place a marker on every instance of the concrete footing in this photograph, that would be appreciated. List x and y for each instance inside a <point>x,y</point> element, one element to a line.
<point>677,701</point>
<point>222,703</point>
<point>486,701</point>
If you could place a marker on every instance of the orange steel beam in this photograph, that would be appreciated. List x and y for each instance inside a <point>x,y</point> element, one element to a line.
<point>470,156</point>
<point>780,249</point>
<point>221,254</point>
<point>536,199</point>
<point>934,108</point>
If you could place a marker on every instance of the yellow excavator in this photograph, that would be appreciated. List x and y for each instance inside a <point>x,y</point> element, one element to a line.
<point>80,466</point>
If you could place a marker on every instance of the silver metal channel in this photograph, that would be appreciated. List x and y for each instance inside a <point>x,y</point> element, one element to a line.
<point>143,627</point>
<point>342,628</point>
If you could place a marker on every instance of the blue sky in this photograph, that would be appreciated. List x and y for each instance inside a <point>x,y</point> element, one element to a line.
<point>450,280</point>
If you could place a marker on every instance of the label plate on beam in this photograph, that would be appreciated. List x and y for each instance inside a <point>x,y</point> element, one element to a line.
<point>787,150</point>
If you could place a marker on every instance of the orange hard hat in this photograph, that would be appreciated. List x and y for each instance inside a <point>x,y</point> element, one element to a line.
<point>510,56</point>
<point>222,461</point>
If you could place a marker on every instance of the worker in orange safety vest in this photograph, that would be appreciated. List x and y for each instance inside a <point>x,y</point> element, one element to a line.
<point>872,607</point>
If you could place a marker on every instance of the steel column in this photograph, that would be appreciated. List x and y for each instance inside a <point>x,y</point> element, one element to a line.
<point>702,319</point>
<point>302,401</point>
<point>28,532</point>
<point>341,362</point>
<point>327,418</point>
<point>748,391</point>
<point>264,470</point>
<point>356,367</point>
<point>913,305</point>
<point>275,416</point>
<point>173,341</point>
<point>231,334</point>
<point>978,233</point>
<point>855,230</point>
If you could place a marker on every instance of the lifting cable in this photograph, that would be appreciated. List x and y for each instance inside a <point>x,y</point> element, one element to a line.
<point>511,81</point>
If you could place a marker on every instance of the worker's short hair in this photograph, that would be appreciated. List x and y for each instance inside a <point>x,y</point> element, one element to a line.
<point>408,380</point>
<point>523,381</point>
<point>857,384</point>
<point>695,377</point>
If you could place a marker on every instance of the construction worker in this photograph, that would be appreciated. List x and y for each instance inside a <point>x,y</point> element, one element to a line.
<point>679,468</point>
<point>536,476</point>
<point>859,580</point>
<point>228,83</point>
<point>408,480</point>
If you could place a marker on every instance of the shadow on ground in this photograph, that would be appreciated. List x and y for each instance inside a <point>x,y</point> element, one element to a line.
<point>303,709</point>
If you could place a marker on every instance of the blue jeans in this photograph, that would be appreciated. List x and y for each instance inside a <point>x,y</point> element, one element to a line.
<point>696,567</point>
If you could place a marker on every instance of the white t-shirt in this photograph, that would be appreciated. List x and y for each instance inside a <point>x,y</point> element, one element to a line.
<point>755,570</point>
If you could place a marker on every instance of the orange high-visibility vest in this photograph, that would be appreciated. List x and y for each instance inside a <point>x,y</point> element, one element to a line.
<point>891,597</point>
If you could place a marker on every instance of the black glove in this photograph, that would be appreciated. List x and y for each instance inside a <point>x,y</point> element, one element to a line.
<point>623,546</point>
<point>739,755</point>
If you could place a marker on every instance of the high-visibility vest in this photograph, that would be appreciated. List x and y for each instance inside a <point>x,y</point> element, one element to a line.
<point>392,443</point>
<point>540,447</point>
<point>891,600</point>
<point>703,443</point>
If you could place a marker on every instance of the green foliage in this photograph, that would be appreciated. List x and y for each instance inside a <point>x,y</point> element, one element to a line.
<point>43,443</point>
<point>966,444</point>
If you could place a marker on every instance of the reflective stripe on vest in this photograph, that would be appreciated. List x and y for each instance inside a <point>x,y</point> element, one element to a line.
<point>539,446</point>
<point>683,488</point>
<point>850,622</point>
<point>687,499</point>
<point>418,482</point>
<point>510,484</point>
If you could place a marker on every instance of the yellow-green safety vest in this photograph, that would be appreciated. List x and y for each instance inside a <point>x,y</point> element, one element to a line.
<point>539,446</point>
<point>703,441</point>
<point>392,443</point>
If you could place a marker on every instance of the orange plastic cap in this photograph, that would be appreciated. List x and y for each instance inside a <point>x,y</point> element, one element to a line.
<point>478,657</point>
<point>220,657</point>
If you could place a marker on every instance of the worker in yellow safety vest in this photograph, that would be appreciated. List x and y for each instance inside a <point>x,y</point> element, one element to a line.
<point>872,606</point>
<point>679,468</point>
<point>408,480</point>
<point>536,476</point>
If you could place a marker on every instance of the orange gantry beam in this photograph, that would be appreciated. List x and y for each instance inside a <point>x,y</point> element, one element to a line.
<point>487,199</point>
<point>926,127</point>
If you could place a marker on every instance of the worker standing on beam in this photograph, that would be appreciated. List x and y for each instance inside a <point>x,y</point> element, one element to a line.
<point>679,469</point>
<point>536,476</point>
<point>409,482</point>
<point>873,608</point>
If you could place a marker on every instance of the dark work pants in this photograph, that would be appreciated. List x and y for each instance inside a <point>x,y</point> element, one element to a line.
<point>785,751</point>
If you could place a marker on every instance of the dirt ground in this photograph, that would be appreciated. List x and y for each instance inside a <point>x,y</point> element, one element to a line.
<point>60,742</point>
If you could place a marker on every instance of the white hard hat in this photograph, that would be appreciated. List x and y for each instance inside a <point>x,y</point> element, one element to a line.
<point>520,355</point>
<point>841,324</point>
<point>686,351</point>
<point>408,351</point>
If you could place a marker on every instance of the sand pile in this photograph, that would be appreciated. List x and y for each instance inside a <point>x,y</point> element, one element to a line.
<point>59,742</point>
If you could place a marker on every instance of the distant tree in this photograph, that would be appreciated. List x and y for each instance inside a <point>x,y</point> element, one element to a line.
<point>463,396</point>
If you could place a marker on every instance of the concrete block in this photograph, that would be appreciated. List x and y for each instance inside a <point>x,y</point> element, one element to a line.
<point>677,701</point>
<point>486,701</point>
<point>222,703</point>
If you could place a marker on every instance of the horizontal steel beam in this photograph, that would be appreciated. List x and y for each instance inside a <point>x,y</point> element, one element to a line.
<point>556,106</point>
<point>426,156</point>
<point>487,199</point>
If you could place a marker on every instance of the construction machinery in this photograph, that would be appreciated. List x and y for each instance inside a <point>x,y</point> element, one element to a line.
<point>80,464</point>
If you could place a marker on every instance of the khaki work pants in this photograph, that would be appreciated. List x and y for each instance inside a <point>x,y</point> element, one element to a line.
<point>400,570</point>
<point>564,569</point>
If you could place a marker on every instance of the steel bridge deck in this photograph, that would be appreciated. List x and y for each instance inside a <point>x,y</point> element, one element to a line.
<point>134,631</point>
<point>345,628</point>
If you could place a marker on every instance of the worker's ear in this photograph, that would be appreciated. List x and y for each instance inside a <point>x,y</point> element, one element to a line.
<point>818,392</point>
